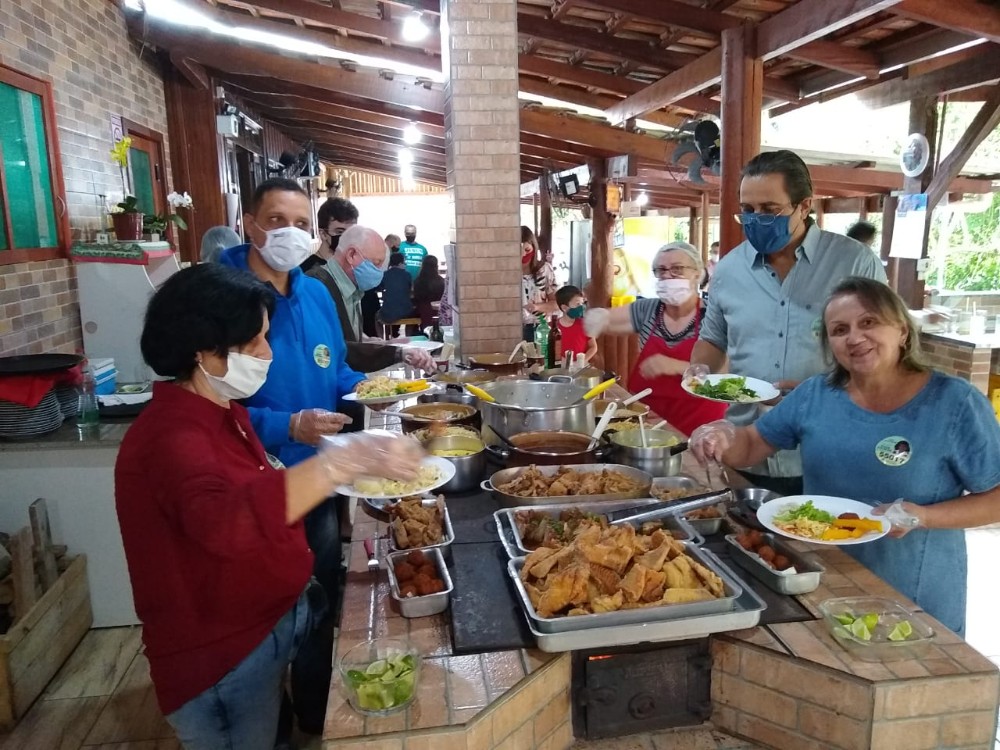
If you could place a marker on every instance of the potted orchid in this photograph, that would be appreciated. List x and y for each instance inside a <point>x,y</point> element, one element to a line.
<point>156,224</point>
<point>125,215</point>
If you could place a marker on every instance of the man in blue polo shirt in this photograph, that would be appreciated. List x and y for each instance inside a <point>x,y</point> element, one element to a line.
<point>412,250</point>
<point>765,309</point>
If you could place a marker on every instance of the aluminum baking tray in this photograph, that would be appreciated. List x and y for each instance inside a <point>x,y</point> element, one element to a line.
<point>444,545</point>
<point>703,526</point>
<point>666,612</point>
<point>514,544</point>
<point>516,501</point>
<point>745,613</point>
<point>421,606</point>
<point>802,582</point>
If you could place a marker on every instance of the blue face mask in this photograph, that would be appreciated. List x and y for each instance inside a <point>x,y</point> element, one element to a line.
<point>769,238</point>
<point>576,312</point>
<point>367,275</point>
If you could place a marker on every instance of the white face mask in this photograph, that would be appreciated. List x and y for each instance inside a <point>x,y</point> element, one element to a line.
<point>244,376</point>
<point>674,291</point>
<point>285,248</point>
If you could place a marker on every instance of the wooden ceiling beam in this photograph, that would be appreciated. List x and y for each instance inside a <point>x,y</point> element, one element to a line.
<point>389,161</point>
<point>391,31</point>
<point>704,72</point>
<point>345,126</point>
<point>571,95</point>
<point>559,10</point>
<point>853,60</point>
<point>363,165</point>
<point>389,147</point>
<point>809,20</point>
<point>673,13</point>
<point>192,71</point>
<point>578,153</point>
<point>982,68</point>
<point>972,17</point>
<point>985,121</point>
<point>595,135</point>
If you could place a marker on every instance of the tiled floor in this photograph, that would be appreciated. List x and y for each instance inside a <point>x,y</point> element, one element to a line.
<point>102,699</point>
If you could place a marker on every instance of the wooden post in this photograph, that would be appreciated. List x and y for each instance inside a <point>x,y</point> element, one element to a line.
<point>742,96</point>
<point>38,512</point>
<point>706,217</point>
<point>601,260</point>
<point>888,226</point>
<point>902,272</point>
<point>545,215</point>
<point>694,228</point>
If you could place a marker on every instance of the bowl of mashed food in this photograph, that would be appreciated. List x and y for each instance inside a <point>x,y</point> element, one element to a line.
<point>419,416</point>
<point>468,455</point>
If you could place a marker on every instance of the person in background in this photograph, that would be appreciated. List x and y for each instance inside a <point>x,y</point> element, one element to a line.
<point>215,241</point>
<point>355,268</point>
<point>392,242</point>
<point>427,289</point>
<point>296,407</point>
<point>534,298</point>
<point>412,250</point>
<point>763,315</point>
<point>668,329</point>
<point>882,426</point>
<point>547,276</point>
<point>213,533</point>
<point>864,232</point>
<point>332,220</point>
<point>574,338</point>
<point>397,292</point>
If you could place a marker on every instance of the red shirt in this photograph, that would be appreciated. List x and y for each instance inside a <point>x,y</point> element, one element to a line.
<point>574,338</point>
<point>213,564</point>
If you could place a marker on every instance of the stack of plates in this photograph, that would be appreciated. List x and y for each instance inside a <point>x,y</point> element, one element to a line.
<point>69,400</point>
<point>20,422</point>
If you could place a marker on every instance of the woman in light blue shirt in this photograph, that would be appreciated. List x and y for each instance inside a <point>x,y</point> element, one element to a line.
<point>883,426</point>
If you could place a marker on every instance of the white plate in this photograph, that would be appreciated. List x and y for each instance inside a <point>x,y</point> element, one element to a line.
<point>765,391</point>
<point>431,346</point>
<point>446,470</point>
<point>832,505</point>
<point>389,399</point>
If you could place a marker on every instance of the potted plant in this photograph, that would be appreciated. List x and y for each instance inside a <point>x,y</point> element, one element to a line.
<point>125,215</point>
<point>156,224</point>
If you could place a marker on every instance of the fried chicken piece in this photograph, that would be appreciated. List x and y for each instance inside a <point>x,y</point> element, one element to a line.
<point>655,558</point>
<point>685,596</point>
<point>656,581</point>
<point>543,568</point>
<point>634,583</point>
<point>534,595</point>
<point>711,581</point>
<point>607,603</point>
<point>592,484</point>
<point>566,587</point>
<point>608,581</point>
<point>534,557</point>
<point>558,489</point>
<point>616,558</point>
<point>576,611</point>
<point>675,576</point>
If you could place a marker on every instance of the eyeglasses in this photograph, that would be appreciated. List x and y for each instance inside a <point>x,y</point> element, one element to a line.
<point>763,218</point>
<point>672,272</point>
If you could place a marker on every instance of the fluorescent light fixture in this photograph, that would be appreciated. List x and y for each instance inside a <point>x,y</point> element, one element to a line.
<point>642,199</point>
<point>414,28</point>
<point>177,12</point>
<point>405,157</point>
<point>584,110</point>
<point>412,134</point>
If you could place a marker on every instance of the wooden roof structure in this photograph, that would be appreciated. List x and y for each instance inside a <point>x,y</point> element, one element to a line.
<point>656,60</point>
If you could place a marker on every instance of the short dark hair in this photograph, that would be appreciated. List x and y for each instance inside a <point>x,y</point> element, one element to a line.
<point>862,231</point>
<point>396,259</point>
<point>274,183</point>
<point>207,307</point>
<point>565,294</point>
<point>335,209</point>
<point>798,182</point>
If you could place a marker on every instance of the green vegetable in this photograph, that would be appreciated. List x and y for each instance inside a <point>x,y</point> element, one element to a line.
<point>807,511</point>
<point>385,683</point>
<point>726,389</point>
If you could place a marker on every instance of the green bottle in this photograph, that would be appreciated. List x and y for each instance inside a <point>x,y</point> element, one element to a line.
<point>542,340</point>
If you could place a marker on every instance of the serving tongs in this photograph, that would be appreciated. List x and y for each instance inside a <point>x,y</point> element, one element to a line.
<point>641,514</point>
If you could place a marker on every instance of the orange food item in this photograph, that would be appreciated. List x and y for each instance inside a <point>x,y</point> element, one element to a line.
<point>408,590</point>
<point>416,558</point>
<point>424,584</point>
<point>781,562</point>
<point>848,516</point>
<point>766,553</point>
<point>404,572</point>
<point>428,570</point>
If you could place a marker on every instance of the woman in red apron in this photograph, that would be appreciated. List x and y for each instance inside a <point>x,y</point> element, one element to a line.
<point>668,328</point>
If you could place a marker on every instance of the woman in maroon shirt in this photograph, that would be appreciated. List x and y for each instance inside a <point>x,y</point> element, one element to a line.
<point>212,531</point>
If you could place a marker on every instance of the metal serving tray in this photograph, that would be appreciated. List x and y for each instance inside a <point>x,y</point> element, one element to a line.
<point>516,501</point>
<point>802,582</point>
<point>421,606</point>
<point>444,545</point>
<point>514,544</point>
<point>744,614</point>
<point>664,612</point>
<point>703,526</point>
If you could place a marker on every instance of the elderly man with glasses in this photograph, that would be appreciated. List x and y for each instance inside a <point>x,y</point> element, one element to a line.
<point>765,310</point>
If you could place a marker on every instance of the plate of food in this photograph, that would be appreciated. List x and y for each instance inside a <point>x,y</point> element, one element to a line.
<point>731,389</point>
<point>430,346</point>
<point>434,472</point>
<point>821,519</point>
<point>383,390</point>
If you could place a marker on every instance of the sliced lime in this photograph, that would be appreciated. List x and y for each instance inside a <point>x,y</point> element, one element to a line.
<point>370,697</point>
<point>377,668</point>
<point>902,631</point>
<point>860,631</point>
<point>870,620</point>
<point>355,678</point>
<point>844,618</point>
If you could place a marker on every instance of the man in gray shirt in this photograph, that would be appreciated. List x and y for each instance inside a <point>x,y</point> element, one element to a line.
<point>766,304</point>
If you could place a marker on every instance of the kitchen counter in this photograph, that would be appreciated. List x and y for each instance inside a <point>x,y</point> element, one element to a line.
<point>788,686</point>
<point>982,341</point>
<point>67,437</point>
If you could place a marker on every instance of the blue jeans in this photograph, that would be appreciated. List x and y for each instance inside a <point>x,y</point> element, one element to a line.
<point>240,711</point>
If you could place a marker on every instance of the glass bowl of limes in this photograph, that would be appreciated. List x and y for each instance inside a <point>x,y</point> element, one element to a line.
<point>380,676</point>
<point>876,629</point>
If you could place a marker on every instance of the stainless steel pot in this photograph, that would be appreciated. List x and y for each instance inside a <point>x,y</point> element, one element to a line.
<point>589,377</point>
<point>498,364</point>
<point>659,460</point>
<point>469,470</point>
<point>455,397</point>
<point>548,448</point>
<point>531,406</point>
<point>461,377</point>
<point>422,415</point>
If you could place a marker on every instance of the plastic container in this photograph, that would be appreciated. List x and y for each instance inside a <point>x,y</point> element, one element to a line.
<point>421,606</point>
<point>88,407</point>
<point>890,613</point>
<point>380,697</point>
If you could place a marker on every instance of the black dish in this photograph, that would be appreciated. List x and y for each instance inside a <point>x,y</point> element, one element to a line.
<point>38,364</point>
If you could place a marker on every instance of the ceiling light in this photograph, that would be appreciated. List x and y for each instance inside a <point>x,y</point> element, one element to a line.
<point>405,156</point>
<point>414,28</point>
<point>412,134</point>
<point>642,199</point>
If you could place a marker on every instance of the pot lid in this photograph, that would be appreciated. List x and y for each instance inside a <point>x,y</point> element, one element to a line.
<point>532,395</point>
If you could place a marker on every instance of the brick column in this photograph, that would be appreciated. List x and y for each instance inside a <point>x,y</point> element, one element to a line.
<point>482,133</point>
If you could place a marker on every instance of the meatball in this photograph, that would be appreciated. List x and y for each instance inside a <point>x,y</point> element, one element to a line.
<point>408,590</point>
<point>755,537</point>
<point>428,570</point>
<point>766,553</point>
<point>781,562</point>
<point>744,541</point>
<point>404,571</point>
<point>416,558</point>
<point>849,516</point>
<point>424,585</point>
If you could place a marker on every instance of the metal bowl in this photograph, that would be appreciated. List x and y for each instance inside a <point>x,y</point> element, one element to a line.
<point>455,397</point>
<point>660,461</point>
<point>632,411</point>
<point>550,448</point>
<point>469,470</point>
<point>498,364</point>
<point>421,415</point>
<point>462,377</point>
<point>752,498</point>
